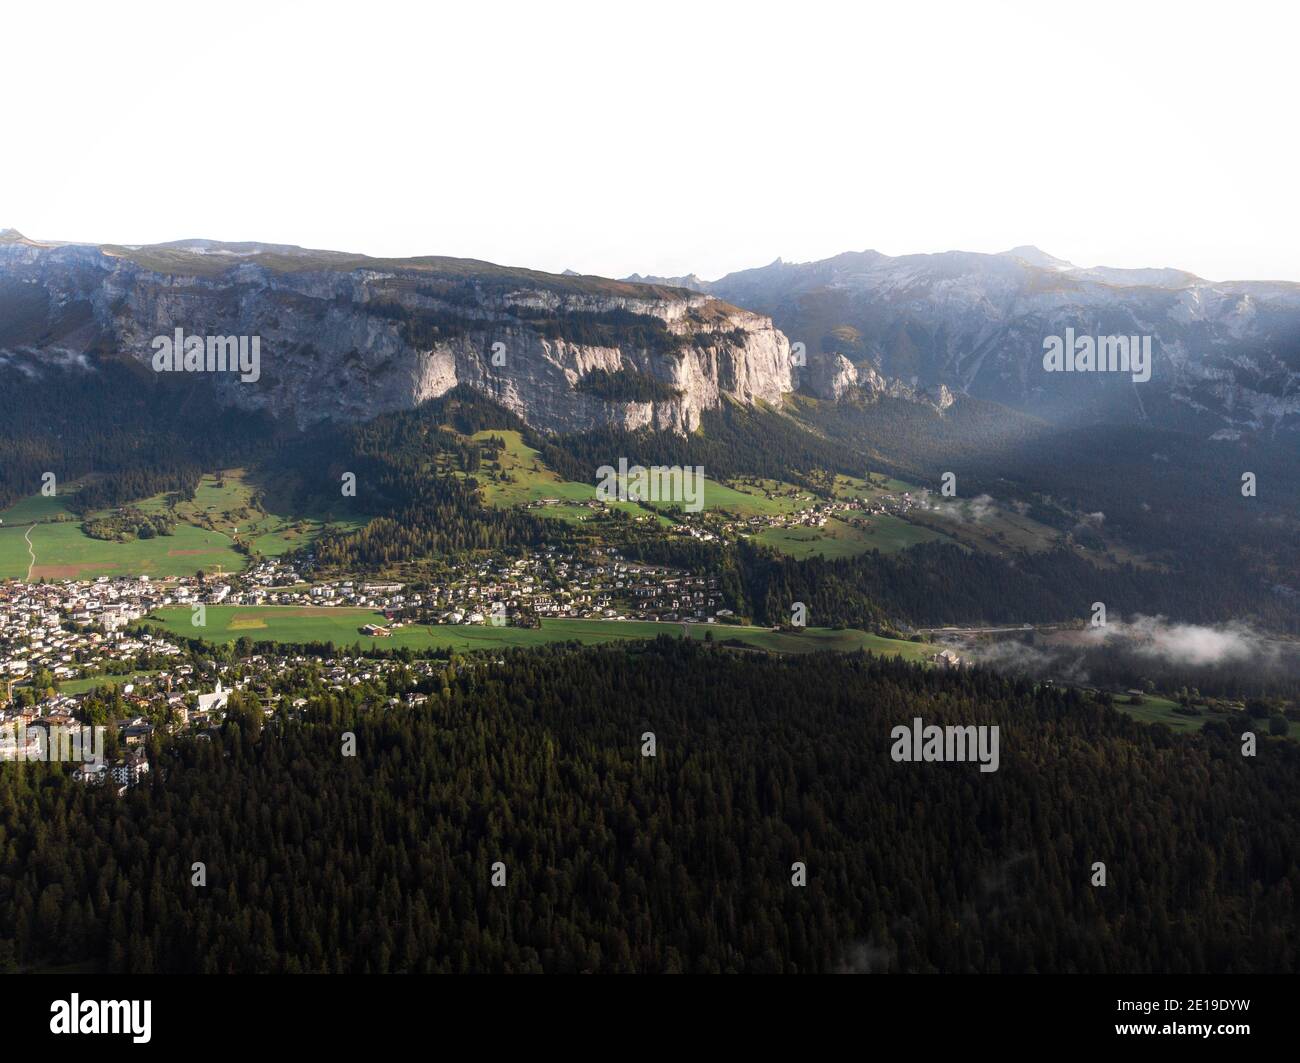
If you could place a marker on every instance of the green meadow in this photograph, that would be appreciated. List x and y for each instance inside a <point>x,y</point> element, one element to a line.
<point>882,531</point>
<point>1161,710</point>
<point>82,686</point>
<point>226,509</point>
<point>521,476</point>
<point>63,551</point>
<point>822,638</point>
<point>14,558</point>
<point>873,486</point>
<point>250,512</point>
<point>342,626</point>
<point>1156,709</point>
<point>33,509</point>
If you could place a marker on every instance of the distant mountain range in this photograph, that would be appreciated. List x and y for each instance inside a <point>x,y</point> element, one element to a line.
<point>1226,355</point>
<point>345,336</point>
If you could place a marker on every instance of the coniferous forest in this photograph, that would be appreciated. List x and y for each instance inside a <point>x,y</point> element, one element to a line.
<point>836,539</point>
<point>614,861</point>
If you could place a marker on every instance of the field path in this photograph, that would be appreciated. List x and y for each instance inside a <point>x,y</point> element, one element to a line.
<point>31,550</point>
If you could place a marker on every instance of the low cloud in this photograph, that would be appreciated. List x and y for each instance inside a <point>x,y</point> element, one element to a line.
<point>1143,646</point>
<point>973,510</point>
<point>1193,644</point>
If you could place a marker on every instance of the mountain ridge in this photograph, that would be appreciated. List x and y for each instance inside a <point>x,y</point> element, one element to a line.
<point>1226,354</point>
<point>345,337</point>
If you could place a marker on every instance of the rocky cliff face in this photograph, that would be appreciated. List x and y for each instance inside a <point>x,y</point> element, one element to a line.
<point>832,376</point>
<point>346,337</point>
<point>1226,355</point>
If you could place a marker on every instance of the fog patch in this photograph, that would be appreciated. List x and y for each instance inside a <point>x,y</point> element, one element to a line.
<point>1230,655</point>
<point>1192,644</point>
<point>965,511</point>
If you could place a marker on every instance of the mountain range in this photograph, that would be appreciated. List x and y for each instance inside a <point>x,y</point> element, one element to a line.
<point>345,336</point>
<point>1226,354</point>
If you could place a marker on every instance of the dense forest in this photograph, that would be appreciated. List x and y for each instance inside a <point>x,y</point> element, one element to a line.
<point>935,584</point>
<point>613,861</point>
<point>626,385</point>
<point>140,433</point>
<point>733,441</point>
<point>419,509</point>
<point>1176,496</point>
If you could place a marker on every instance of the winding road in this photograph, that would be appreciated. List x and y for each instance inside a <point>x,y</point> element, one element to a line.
<point>31,550</point>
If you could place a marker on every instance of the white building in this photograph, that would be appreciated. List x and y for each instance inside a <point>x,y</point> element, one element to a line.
<point>214,701</point>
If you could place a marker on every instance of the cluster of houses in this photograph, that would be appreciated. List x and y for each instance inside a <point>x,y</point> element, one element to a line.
<point>814,513</point>
<point>718,525</point>
<point>561,586</point>
<point>72,627</point>
<point>124,773</point>
<point>184,698</point>
<point>51,732</point>
<point>550,583</point>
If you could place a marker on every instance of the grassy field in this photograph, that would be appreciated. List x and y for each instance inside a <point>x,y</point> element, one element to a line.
<point>1155,709</point>
<point>17,522</point>
<point>225,510</point>
<point>529,479</point>
<point>982,524</point>
<point>760,498</point>
<point>63,551</point>
<point>14,558</point>
<point>986,527</point>
<point>253,513</point>
<point>1161,710</point>
<point>871,487</point>
<point>81,686</point>
<point>820,638</point>
<point>883,532</point>
<point>343,628</point>
<point>35,508</point>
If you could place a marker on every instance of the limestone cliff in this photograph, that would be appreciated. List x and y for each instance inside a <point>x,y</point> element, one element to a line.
<point>346,337</point>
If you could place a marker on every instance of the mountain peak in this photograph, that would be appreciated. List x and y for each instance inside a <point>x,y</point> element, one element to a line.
<point>1037,257</point>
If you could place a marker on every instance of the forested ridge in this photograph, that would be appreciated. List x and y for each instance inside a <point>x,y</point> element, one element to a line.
<point>934,584</point>
<point>1174,495</point>
<point>138,432</point>
<point>681,862</point>
<point>419,511</point>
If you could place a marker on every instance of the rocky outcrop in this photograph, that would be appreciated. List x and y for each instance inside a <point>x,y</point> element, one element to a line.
<point>832,376</point>
<point>345,337</point>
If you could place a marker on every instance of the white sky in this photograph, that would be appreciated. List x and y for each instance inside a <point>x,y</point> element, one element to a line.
<point>670,137</point>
